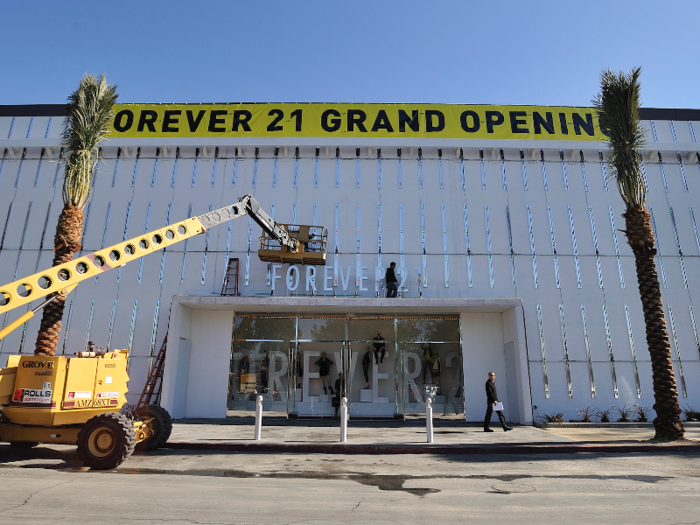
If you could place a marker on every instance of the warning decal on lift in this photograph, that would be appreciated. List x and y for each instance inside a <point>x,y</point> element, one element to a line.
<point>80,395</point>
<point>106,394</point>
<point>30,395</point>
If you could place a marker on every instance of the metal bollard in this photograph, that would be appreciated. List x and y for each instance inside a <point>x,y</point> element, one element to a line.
<point>258,417</point>
<point>344,420</point>
<point>429,419</point>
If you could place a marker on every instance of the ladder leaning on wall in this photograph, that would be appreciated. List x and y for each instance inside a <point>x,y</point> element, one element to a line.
<point>230,286</point>
<point>154,383</point>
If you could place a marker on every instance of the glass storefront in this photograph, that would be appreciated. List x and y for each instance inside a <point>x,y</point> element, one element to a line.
<point>390,364</point>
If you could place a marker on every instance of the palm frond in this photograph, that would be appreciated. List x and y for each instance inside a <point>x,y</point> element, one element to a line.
<point>90,112</point>
<point>618,108</point>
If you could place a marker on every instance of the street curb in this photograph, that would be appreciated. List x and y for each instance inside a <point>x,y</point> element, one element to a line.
<point>279,448</point>
<point>617,424</point>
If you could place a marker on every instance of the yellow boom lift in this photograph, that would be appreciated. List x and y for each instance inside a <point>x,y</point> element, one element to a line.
<point>77,400</point>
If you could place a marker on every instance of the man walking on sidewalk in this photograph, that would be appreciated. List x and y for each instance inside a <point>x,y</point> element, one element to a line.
<point>491,402</point>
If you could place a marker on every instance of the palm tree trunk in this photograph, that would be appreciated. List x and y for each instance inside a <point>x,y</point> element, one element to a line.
<point>66,242</point>
<point>640,236</point>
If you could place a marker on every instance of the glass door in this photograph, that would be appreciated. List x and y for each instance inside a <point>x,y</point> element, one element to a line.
<point>400,375</point>
<point>346,374</point>
<point>294,375</point>
<point>260,351</point>
<point>430,365</point>
<point>371,338</point>
<point>432,370</point>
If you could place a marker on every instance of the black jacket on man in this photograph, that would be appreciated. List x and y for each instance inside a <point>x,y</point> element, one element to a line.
<point>390,276</point>
<point>491,398</point>
<point>491,392</point>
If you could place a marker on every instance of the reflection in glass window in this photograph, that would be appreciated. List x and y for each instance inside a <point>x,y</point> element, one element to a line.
<point>319,328</point>
<point>259,368</point>
<point>367,328</point>
<point>392,364</point>
<point>428,329</point>
<point>265,327</point>
<point>435,371</point>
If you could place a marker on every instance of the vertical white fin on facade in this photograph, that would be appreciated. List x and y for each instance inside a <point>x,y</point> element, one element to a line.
<point>611,354</point>
<point>468,247</point>
<point>533,253</point>
<point>575,247</point>
<point>444,246</point>
<point>588,351</point>
<point>488,244</point>
<point>544,353</point>
<point>617,247</point>
<point>567,366</point>
<point>630,336</point>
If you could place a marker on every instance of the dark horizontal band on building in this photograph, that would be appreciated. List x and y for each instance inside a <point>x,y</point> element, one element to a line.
<point>59,110</point>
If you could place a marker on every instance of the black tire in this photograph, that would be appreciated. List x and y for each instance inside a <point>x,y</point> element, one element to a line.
<point>106,441</point>
<point>159,421</point>
<point>23,444</point>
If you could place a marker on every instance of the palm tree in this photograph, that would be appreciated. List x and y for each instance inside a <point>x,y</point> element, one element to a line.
<point>618,109</point>
<point>88,121</point>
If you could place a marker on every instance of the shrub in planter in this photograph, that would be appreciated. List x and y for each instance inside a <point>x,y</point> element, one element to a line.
<point>624,414</point>
<point>691,414</point>
<point>552,418</point>
<point>586,414</point>
<point>641,412</point>
<point>603,415</point>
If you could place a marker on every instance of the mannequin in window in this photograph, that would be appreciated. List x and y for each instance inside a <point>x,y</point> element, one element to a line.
<point>324,370</point>
<point>379,348</point>
<point>243,374</point>
<point>428,358</point>
<point>435,371</point>
<point>339,392</point>
<point>300,369</point>
<point>265,372</point>
<point>366,361</point>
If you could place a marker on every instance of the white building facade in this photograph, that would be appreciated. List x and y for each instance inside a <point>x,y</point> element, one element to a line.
<point>507,241</point>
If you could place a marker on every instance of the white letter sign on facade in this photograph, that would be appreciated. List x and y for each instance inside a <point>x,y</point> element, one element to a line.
<point>311,278</point>
<point>275,275</point>
<point>327,278</point>
<point>292,278</point>
<point>362,277</point>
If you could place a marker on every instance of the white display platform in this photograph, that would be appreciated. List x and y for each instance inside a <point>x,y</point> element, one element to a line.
<point>366,395</point>
<point>314,409</point>
<point>372,409</point>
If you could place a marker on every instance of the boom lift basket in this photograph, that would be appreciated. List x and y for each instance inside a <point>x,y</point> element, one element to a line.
<point>311,247</point>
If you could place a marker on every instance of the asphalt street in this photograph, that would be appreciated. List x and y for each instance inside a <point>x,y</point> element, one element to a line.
<point>48,485</point>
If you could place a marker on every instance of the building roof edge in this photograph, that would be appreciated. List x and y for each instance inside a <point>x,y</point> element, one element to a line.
<point>59,110</point>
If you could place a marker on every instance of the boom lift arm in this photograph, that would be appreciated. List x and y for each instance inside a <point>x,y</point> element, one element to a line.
<point>60,280</point>
<point>267,224</point>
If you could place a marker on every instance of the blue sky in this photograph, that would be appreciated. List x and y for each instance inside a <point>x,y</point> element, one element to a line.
<point>497,52</point>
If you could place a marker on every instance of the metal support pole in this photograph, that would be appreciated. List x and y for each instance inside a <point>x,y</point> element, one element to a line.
<point>344,420</point>
<point>258,417</point>
<point>429,419</point>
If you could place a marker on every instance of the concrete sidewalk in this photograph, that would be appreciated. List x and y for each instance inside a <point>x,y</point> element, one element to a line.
<point>451,436</point>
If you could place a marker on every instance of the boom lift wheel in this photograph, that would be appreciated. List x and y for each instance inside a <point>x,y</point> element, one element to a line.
<point>106,441</point>
<point>159,422</point>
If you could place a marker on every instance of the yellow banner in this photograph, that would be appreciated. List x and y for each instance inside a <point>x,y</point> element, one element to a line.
<point>431,121</point>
